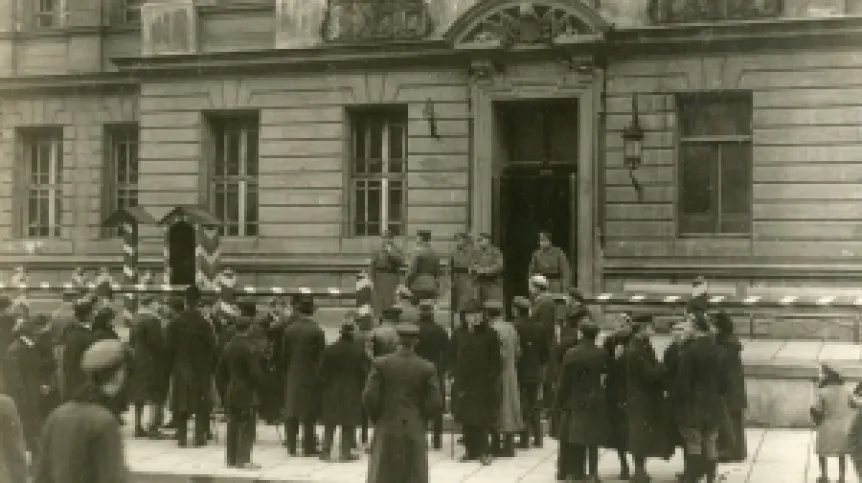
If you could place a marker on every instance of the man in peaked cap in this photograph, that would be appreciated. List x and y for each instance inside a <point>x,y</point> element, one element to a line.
<point>86,426</point>
<point>399,411</point>
<point>423,276</point>
<point>433,346</point>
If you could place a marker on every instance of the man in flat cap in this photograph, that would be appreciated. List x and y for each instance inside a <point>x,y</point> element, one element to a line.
<point>241,367</point>
<point>304,343</point>
<point>81,440</point>
<point>476,369</point>
<point>433,346</point>
<point>535,353</point>
<point>423,276</point>
<point>488,269</point>
<point>460,263</point>
<point>191,356</point>
<point>342,376</point>
<point>385,273</point>
<point>401,395</point>
<point>77,339</point>
<point>510,420</point>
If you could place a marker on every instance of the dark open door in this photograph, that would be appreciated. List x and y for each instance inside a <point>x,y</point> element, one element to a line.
<point>181,242</point>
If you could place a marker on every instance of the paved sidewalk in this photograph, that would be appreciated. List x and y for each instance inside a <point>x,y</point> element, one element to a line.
<point>775,456</point>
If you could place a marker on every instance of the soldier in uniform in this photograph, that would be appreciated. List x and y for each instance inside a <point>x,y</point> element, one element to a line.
<point>81,440</point>
<point>304,342</point>
<point>402,393</point>
<point>535,353</point>
<point>460,263</point>
<point>488,270</point>
<point>544,315</point>
<point>423,277</point>
<point>551,262</point>
<point>385,274</point>
<point>433,347</point>
<point>241,366</point>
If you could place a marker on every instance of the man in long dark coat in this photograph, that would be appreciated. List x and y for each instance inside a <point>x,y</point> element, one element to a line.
<point>77,339</point>
<point>150,377</point>
<point>423,275</point>
<point>477,369</point>
<point>535,352</point>
<point>402,393</point>
<point>304,342</point>
<point>544,314</point>
<point>241,365</point>
<point>191,356</point>
<point>614,346</point>
<point>581,400</point>
<point>433,346</point>
<point>460,263</point>
<point>385,274</point>
<point>699,391</point>
<point>343,370</point>
<point>25,382</point>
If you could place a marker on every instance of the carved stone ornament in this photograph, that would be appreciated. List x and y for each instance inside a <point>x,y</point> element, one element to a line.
<point>484,70</point>
<point>693,11</point>
<point>526,24</point>
<point>376,20</point>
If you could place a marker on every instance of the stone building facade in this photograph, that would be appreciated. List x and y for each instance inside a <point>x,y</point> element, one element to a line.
<point>311,126</point>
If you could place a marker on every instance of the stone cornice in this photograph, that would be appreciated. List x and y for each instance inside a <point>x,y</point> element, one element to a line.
<point>79,84</point>
<point>732,269</point>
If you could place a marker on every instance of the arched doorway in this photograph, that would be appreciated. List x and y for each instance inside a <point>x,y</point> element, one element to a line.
<point>181,246</point>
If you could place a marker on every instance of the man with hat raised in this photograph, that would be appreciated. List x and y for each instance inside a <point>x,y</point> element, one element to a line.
<point>488,270</point>
<point>342,375</point>
<point>401,394</point>
<point>423,276</point>
<point>384,270</point>
<point>433,346</point>
<point>81,440</point>
<point>191,355</point>
<point>304,342</point>
<point>476,369</point>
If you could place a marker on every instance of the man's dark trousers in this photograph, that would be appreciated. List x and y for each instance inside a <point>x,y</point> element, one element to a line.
<point>309,437</point>
<point>202,427</point>
<point>476,441</point>
<point>241,433</point>
<point>530,410</point>
<point>348,440</point>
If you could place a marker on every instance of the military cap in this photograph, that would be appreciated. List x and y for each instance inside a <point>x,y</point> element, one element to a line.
<point>493,305</point>
<point>521,302</point>
<point>407,330</point>
<point>106,313</point>
<point>471,307</point>
<point>104,354</point>
<point>539,281</point>
<point>392,312</point>
<point>485,235</point>
<point>426,305</point>
<point>193,292</point>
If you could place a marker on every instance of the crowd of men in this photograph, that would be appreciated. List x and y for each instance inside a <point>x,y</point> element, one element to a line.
<point>505,376</point>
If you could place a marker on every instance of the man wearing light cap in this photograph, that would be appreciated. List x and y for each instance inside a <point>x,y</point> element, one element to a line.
<point>423,276</point>
<point>81,440</point>
<point>401,394</point>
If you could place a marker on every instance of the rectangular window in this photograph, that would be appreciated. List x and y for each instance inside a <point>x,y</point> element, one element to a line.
<point>122,166</point>
<point>715,163</point>
<point>234,179</point>
<point>378,167</point>
<point>47,14</point>
<point>131,11</point>
<point>42,182</point>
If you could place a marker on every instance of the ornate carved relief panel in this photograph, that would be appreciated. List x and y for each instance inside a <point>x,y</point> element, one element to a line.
<point>692,11</point>
<point>376,20</point>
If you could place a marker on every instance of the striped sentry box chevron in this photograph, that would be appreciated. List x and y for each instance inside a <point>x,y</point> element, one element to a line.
<point>364,298</point>
<point>207,256</point>
<point>130,267</point>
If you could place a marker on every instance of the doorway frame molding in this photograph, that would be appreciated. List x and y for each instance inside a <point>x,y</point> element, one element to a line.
<point>491,83</point>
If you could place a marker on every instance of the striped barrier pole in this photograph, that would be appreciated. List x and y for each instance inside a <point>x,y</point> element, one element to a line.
<point>20,283</point>
<point>364,298</point>
<point>130,267</point>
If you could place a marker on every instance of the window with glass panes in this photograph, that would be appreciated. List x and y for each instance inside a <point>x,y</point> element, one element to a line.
<point>715,163</point>
<point>131,11</point>
<point>234,181</point>
<point>378,172</point>
<point>122,166</point>
<point>47,13</point>
<point>42,150</point>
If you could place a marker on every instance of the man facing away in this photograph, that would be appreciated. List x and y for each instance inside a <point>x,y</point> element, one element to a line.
<point>424,273</point>
<point>401,394</point>
<point>433,346</point>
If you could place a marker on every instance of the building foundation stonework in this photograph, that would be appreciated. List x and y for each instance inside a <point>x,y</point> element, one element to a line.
<point>310,129</point>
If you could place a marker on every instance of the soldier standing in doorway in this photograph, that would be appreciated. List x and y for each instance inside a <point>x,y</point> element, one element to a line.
<point>385,273</point>
<point>551,262</point>
<point>487,270</point>
<point>423,278</point>
<point>460,262</point>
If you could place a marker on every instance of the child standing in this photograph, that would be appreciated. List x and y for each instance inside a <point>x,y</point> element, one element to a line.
<point>832,414</point>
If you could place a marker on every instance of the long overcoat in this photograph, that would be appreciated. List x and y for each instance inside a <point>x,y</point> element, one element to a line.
<point>423,276</point>
<point>476,368</point>
<point>616,385</point>
<point>304,342</point>
<point>23,382</point>
<point>645,405</point>
<point>402,393</point>
<point>385,274</point>
<point>700,384</point>
<point>77,340</point>
<point>510,419</point>
<point>464,289</point>
<point>192,358</point>
<point>241,365</point>
<point>731,434</point>
<point>149,375</point>
<point>343,370</point>
<point>581,398</point>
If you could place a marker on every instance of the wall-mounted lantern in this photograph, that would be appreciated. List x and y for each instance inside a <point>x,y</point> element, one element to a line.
<point>430,117</point>
<point>633,141</point>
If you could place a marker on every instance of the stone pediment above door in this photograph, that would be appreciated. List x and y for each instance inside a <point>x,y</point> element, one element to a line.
<point>503,24</point>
